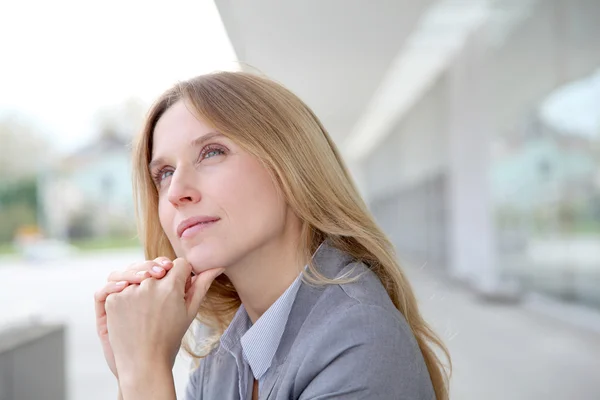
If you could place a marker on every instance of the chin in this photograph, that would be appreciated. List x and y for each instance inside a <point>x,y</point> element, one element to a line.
<point>204,256</point>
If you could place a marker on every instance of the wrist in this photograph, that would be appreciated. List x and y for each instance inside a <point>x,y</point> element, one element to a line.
<point>141,370</point>
<point>144,377</point>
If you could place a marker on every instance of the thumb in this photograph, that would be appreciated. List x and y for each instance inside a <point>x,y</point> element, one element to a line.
<point>179,273</point>
<point>199,286</point>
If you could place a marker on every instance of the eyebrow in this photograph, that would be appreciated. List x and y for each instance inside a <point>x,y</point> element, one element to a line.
<point>195,143</point>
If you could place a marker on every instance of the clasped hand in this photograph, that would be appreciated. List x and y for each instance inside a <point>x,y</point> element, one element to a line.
<point>143,313</point>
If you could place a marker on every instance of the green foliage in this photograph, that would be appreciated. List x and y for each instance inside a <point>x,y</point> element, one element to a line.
<point>18,207</point>
<point>21,192</point>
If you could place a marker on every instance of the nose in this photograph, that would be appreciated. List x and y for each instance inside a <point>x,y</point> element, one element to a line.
<point>183,188</point>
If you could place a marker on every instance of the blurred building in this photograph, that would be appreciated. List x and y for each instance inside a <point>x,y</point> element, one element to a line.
<point>543,171</point>
<point>426,99</point>
<point>88,193</point>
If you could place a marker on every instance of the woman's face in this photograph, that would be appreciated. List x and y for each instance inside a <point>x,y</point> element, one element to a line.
<point>217,203</point>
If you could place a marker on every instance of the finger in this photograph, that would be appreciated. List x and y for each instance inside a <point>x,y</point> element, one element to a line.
<point>140,266</point>
<point>180,272</point>
<point>199,286</point>
<point>161,267</point>
<point>163,261</point>
<point>131,276</point>
<point>156,268</point>
<point>188,283</point>
<point>101,295</point>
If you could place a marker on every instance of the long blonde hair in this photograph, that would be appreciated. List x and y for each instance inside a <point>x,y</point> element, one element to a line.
<point>273,124</point>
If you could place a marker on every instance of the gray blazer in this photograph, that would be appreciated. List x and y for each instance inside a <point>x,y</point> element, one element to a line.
<point>341,342</point>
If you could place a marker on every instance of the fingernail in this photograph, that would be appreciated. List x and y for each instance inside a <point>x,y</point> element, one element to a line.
<point>157,269</point>
<point>141,272</point>
<point>165,262</point>
<point>121,283</point>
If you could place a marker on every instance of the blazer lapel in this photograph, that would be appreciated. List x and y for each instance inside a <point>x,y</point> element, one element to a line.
<point>329,261</point>
<point>269,384</point>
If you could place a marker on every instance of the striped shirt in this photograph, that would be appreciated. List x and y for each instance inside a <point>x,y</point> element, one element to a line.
<point>254,346</point>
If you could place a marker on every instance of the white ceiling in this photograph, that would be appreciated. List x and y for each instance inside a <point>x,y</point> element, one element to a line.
<point>439,35</point>
<point>332,53</point>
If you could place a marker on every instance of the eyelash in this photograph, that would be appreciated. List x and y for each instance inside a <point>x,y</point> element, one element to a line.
<point>157,176</point>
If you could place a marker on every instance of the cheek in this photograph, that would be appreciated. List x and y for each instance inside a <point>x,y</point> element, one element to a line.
<point>252,198</point>
<point>165,216</point>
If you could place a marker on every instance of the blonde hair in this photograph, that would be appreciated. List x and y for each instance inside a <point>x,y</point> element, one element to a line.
<point>273,124</point>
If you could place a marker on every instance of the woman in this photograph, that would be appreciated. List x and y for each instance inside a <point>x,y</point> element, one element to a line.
<point>252,225</point>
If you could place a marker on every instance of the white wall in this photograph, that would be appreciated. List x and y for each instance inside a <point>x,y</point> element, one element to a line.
<point>414,151</point>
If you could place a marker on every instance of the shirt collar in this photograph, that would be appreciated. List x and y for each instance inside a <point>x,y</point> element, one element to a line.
<point>259,342</point>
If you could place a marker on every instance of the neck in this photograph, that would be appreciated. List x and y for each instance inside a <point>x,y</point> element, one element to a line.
<point>264,275</point>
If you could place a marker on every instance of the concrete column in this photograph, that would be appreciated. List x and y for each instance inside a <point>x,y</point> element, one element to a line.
<point>471,243</point>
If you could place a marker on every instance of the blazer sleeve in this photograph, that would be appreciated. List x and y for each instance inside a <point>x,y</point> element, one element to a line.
<point>366,352</point>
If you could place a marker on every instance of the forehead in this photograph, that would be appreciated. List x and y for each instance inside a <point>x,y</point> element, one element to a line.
<point>177,127</point>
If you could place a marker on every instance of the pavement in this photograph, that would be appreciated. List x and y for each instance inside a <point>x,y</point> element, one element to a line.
<point>63,291</point>
<point>508,351</point>
<point>499,351</point>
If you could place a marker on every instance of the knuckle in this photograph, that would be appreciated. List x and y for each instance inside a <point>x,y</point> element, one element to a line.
<point>140,275</point>
<point>132,266</point>
<point>148,265</point>
<point>112,275</point>
<point>171,284</point>
<point>139,266</point>
<point>162,262</point>
<point>146,283</point>
<point>181,263</point>
<point>111,299</point>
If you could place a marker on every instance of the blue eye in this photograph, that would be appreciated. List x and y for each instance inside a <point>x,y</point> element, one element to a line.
<point>212,152</point>
<point>161,175</point>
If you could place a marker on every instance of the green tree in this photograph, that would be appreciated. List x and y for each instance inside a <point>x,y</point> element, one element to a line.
<point>23,154</point>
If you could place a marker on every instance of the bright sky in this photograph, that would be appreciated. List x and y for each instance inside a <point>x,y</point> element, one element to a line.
<point>62,60</point>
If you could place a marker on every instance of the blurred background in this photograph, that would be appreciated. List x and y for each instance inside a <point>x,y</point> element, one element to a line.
<point>472,128</point>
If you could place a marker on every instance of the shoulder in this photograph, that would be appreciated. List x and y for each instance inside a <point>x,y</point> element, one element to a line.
<point>360,290</point>
<point>356,324</point>
<point>365,352</point>
<point>359,313</point>
<point>352,323</point>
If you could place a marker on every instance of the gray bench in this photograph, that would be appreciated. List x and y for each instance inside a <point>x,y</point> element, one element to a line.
<point>32,363</point>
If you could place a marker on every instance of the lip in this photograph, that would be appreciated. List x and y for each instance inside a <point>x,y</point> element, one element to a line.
<point>193,221</point>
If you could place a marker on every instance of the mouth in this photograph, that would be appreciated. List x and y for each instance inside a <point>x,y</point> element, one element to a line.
<point>191,226</point>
